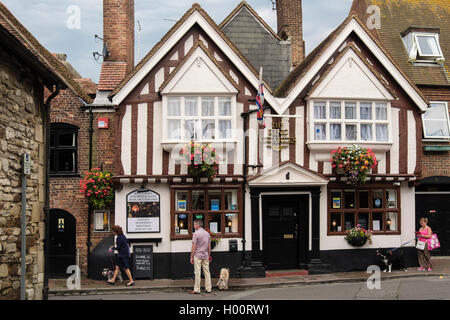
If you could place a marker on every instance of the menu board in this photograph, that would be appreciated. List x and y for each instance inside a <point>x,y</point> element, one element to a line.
<point>143,211</point>
<point>143,262</point>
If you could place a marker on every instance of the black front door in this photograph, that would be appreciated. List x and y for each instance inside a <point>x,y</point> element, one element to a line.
<point>436,208</point>
<point>62,242</point>
<point>284,231</point>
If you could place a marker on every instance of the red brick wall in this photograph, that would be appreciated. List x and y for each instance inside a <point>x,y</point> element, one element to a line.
<point>290,25</point>
<point>436,163</point>
<point>118,30</point>
<point>64,191</point>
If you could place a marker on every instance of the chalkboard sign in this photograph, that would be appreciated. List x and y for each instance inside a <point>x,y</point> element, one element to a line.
<point>143,262</point>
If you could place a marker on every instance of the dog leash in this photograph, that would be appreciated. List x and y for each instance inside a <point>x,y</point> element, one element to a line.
<point>401,245</point>
<point>213,268</point>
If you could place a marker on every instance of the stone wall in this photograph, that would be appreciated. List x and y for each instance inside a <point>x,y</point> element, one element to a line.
<point>21,131</point>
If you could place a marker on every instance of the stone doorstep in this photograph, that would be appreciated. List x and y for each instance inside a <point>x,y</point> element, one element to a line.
<point>273,282</point>
<point>285,273</point>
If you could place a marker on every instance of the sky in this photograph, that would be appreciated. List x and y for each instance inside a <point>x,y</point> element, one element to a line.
<point>69,26</point>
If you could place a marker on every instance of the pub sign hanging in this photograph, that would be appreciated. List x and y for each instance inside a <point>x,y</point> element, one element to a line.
<point>143,212</point>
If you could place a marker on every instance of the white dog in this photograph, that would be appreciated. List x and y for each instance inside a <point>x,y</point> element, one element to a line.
<point>222,284</point>
<point>109,274</point>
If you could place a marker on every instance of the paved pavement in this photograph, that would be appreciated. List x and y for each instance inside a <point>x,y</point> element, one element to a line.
<point>58,287</point>
<point>410,288</point>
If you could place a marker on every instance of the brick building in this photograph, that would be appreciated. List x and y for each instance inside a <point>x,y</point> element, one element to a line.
<point>417,35</point>
<point>71,117</point>
<point>26,70</point>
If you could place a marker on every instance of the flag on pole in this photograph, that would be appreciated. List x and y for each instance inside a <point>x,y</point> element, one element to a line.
<point>260,100</point>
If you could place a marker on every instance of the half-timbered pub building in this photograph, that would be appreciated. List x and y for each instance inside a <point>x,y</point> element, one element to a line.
<point>276,201</point>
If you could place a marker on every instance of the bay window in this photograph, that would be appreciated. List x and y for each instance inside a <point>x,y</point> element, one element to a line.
<point>201,118</point>
<point>349,121</point>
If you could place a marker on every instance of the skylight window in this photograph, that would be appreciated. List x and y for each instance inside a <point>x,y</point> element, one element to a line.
<point>423,47</point>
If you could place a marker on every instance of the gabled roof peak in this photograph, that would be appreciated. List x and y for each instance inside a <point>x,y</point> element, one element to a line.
<point>198,44</point>
<point>253,12</point>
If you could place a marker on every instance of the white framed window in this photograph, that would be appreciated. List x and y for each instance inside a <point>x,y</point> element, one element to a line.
<point>423,47</point>
<point>200,118</point>
<point>428,45</point>
<point>349,121</point>
<point>436,123</point>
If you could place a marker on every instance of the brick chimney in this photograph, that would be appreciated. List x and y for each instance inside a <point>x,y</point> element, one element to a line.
<point>118,30</point>
<point>290,26</point>
<point>118,35</point>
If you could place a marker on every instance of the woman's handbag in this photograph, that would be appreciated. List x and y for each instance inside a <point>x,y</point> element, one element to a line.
<point>433,242</point>
<point>420,245</point>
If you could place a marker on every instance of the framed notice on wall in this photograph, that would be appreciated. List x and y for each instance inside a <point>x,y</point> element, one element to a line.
<point>143,212</point>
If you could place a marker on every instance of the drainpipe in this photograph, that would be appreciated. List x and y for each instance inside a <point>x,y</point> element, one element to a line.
<point>89,243</point>
<point>245,116</point>
<point>47,189</point>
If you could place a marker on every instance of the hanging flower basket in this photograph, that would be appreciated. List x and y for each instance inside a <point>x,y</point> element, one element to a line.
<point>202,160</point>
<point>358,236</point>
<point>353,162</point>
<point>98,188</point>
<point>215,239</point>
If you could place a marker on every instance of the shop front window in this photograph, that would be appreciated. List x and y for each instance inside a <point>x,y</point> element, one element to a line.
<point>217,207</point>
<point>374,208</point>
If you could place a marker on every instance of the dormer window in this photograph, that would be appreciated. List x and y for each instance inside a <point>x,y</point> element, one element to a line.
<point>428,45</point>
<point>423,45</point>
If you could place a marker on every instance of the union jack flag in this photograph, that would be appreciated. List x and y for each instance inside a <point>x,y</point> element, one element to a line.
<point>260,101</point>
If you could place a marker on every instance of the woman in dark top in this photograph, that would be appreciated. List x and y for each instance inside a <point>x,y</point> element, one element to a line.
<point>124,255</point>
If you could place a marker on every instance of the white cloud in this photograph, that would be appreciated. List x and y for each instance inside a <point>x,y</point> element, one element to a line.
<point>46,20</point>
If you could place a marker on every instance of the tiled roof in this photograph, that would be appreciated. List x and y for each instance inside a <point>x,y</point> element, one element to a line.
<point>288,85</point>
<point>253,12</point>
<point>51,63</point>
<point>259,43</point>
<point>396,17</point>
<point>89,86</point>
<point>111,74</point>
<point>195,7</point>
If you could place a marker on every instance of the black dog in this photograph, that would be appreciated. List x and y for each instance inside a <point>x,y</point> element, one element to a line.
<point>389,258</point>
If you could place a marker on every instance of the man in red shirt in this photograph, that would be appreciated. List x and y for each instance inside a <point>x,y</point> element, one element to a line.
<point>200,256</point>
